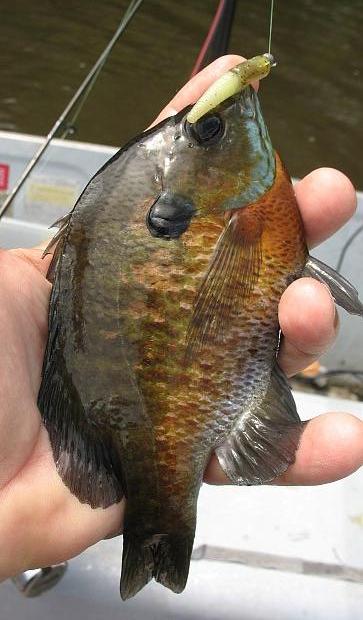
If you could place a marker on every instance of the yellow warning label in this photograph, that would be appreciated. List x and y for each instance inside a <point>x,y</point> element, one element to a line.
<point>51,195</point>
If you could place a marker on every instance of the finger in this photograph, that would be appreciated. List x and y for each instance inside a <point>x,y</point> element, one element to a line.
<point>331,448</point>
<point>309,323</point>
<point>35,257</point>
<point>23,326</point>
<point>327,200</point>
<point>198,84</point>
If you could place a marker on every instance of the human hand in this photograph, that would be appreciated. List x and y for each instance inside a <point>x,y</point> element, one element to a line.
<point>41,522</point>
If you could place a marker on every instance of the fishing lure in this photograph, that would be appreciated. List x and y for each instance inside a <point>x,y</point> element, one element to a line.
<point>231,83</point>
<point>163,324</point>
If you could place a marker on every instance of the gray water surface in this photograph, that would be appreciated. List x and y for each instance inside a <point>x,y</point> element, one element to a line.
<point>312,102</point>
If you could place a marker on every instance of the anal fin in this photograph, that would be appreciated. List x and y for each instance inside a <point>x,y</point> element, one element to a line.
<point>264,441</point>
<point>344,293</point>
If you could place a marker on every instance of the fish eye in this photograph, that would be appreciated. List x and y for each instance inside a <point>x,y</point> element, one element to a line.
<point>207,130</point>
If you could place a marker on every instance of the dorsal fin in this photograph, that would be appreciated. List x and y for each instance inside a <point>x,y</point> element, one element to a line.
<point>56,243</point>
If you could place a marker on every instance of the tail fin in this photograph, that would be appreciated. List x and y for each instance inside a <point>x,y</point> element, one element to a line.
<point>164,557</point>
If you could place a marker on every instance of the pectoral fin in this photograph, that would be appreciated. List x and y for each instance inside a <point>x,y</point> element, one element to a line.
<point>264,441</point>
<point>344,293</point>
<point>232,273</point>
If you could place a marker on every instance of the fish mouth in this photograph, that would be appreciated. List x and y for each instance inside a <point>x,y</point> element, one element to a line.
<point>170,215</point>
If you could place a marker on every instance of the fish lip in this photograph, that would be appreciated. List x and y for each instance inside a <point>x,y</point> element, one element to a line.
<point>170,215</point>
<point>173,229</point>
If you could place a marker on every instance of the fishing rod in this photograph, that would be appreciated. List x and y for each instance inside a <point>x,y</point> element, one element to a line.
<point>78,98</point>
<point>217,40</point>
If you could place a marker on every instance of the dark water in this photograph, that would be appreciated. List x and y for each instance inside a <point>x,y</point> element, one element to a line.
<point>313,101</point>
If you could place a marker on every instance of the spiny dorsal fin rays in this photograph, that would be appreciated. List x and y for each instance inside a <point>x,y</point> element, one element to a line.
<point>55,245</point>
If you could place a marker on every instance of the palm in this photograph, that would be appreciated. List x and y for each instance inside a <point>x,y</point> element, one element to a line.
<point>40,521</point>
<point>23,328</point>
<point>33,497</point>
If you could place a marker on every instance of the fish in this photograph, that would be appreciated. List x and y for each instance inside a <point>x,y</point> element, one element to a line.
<point>163,325</point>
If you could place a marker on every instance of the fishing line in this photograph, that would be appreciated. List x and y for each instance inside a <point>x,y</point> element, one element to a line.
<point>346,247</point>
<point>270,29</point>
<point>78,98</point>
